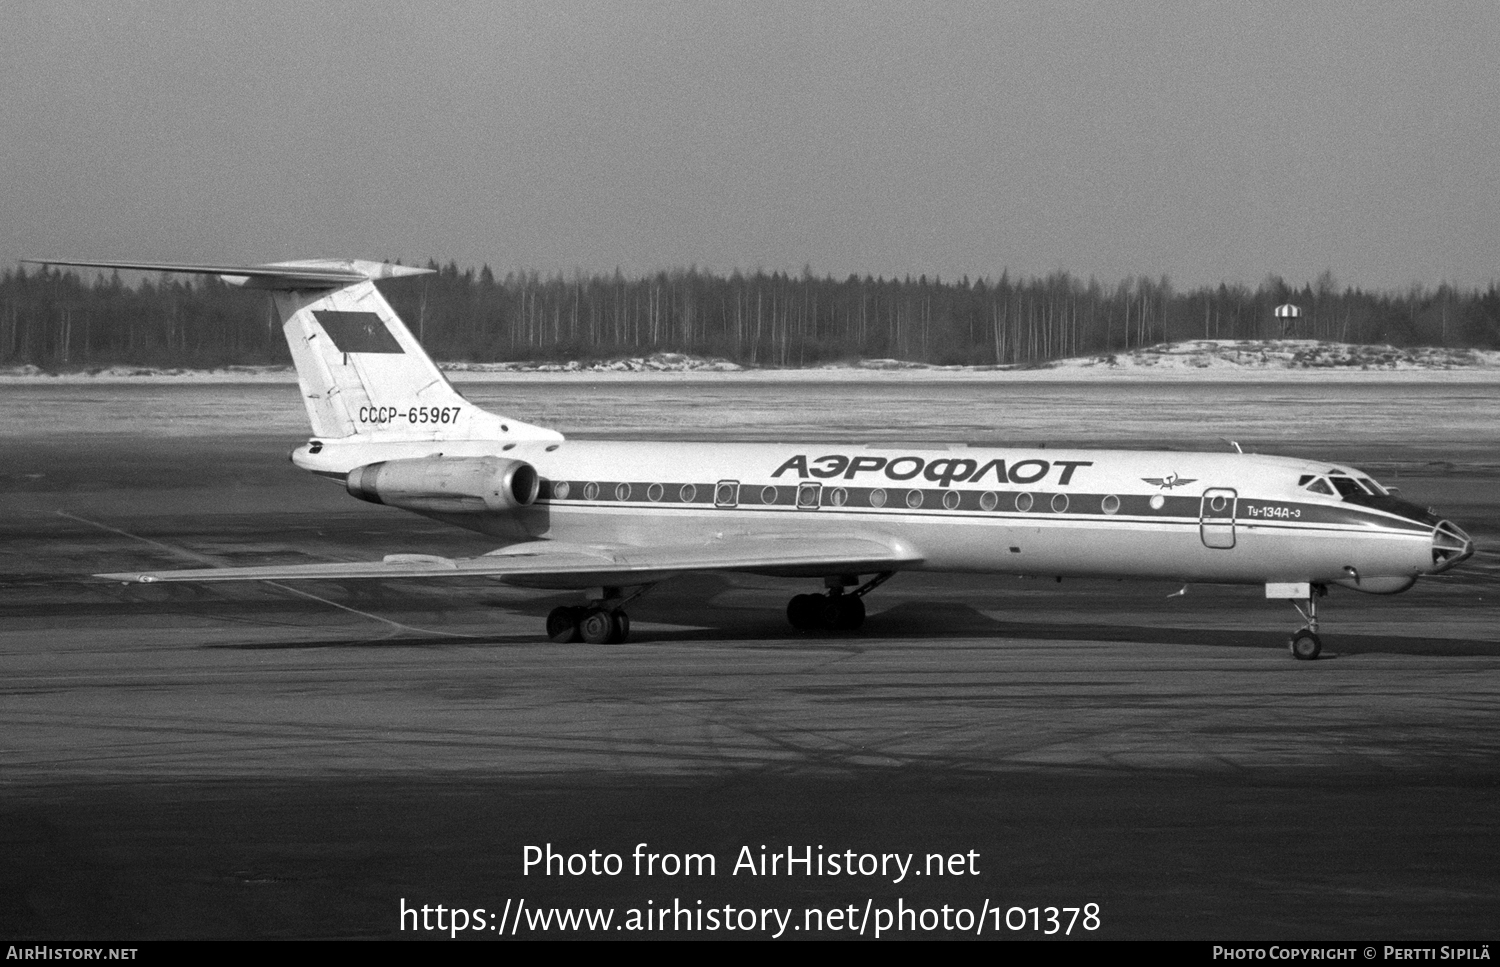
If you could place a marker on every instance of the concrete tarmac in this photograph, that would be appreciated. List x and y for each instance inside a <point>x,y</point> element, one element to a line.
<point>300,760</point>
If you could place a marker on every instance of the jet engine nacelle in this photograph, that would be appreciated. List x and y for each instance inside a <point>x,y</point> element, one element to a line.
<point>448,485</point>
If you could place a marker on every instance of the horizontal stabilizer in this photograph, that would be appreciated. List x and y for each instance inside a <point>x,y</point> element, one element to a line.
<point>306,274</point>
<point>573,566</point>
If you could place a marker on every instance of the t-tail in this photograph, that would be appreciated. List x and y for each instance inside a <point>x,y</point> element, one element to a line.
<point>364,377</point>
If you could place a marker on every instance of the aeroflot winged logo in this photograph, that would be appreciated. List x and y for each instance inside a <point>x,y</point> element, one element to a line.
<point>1169,481</point>
<point>943,471</point>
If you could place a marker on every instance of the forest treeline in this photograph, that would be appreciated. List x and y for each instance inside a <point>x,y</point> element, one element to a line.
<point>60,319</point>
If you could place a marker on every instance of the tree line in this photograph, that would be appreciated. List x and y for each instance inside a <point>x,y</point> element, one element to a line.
<point>61,319</point>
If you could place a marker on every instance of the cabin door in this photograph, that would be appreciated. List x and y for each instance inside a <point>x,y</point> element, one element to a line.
<point>1216,518</point>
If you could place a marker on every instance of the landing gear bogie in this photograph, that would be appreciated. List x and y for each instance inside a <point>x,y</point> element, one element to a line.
<point>838,610</point>
<point>826,612</point>
<point>594,626</point>
<point>602,622</point>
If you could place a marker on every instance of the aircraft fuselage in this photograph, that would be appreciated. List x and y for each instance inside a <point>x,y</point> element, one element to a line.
<point>1203,517</point>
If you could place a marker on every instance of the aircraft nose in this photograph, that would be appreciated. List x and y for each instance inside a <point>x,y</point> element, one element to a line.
<point>1450,546</point>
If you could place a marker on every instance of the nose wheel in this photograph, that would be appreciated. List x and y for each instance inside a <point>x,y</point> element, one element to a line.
<point>1306,645</point>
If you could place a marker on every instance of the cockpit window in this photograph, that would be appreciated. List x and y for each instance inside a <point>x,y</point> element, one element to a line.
<point>1346,486</point>
<point>1336,482</point>
<point>1319,486</point>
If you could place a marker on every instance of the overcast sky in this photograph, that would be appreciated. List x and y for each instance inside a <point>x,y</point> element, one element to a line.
<point>1205,141</point>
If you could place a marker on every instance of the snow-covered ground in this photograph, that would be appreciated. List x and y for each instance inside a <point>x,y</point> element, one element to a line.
<point>657,363</point>
<point>1269,355</point>
<point>1194,360</point>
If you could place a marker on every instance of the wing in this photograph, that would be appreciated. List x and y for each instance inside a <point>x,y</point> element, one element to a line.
<point>545,564</point>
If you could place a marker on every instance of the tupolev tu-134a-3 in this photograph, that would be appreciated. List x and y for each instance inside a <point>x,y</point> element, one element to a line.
<point>611,519</point>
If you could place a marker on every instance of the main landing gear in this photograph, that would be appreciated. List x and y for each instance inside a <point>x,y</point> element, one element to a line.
<point>597,626</point>
<point>1305,644</point>
<point>602,622</point>
<point>837,610</point>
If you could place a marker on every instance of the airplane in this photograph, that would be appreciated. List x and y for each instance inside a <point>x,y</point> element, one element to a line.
<point>614,518</point>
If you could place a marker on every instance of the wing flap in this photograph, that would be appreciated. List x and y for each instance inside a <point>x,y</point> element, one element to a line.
<point>568,566</point>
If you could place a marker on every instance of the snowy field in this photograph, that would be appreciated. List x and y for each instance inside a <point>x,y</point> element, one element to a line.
<point>1291,360</point>
<point>1453,418</point>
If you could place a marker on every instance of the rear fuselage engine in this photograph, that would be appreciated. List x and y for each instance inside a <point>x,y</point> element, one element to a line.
<point>446,485</point>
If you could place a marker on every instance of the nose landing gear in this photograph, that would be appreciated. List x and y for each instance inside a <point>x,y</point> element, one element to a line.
<point>1305,644</point>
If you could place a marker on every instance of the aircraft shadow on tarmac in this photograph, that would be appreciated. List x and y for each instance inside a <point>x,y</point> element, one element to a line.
<point>917,620</point>
<point>940,620</point>
<point>402,640</point>
<point>702,608</point>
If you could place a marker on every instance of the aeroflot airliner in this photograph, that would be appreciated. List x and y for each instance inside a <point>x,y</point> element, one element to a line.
<point>614,518</point>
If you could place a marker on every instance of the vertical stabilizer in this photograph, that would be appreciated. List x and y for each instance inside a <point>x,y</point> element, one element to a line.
<point>362,373</point>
